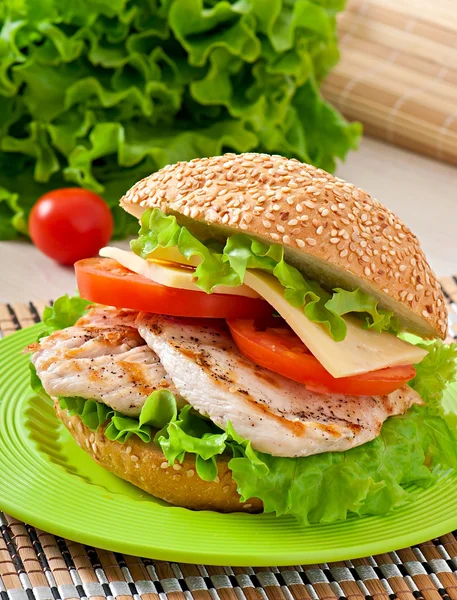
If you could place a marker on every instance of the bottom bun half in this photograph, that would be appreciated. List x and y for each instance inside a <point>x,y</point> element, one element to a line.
<point>145,466</point>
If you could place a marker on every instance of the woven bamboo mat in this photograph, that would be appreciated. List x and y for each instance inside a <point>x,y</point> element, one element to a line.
<point>398,72</point>
<point>35,565</point>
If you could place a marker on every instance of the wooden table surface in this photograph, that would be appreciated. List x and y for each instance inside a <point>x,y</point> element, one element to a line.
<point>421,191</point>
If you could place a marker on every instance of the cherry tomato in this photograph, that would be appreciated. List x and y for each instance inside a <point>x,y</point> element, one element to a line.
<point>276,347</point>
<point>70,224</point>
<point>105,281</point>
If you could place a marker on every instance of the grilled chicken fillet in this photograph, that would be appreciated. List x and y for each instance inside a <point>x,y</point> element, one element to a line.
<point>279,416</point>
<point>102,357</point>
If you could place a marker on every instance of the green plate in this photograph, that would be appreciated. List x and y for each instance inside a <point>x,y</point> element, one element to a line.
<point>49,482</point>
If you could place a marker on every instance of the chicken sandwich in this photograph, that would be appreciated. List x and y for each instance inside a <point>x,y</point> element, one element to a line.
<point>272,342</point>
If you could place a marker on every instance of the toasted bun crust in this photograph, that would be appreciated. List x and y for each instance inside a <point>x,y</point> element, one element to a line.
<point>332,231</point>
<point>145,466</point>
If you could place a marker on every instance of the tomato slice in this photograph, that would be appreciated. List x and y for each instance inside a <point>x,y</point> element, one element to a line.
<point>276,347</point>
<point>105,281</point>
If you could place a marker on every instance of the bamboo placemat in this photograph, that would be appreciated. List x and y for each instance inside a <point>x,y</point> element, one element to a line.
<point>35,565</point>
<point>398,72</point>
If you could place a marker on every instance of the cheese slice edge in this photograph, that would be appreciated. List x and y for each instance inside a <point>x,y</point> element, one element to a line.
<point>171,275</point>
<point>361,351</point>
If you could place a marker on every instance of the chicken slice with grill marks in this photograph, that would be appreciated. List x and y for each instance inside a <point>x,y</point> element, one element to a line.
<point>102,357</point>
<point>279,416</point>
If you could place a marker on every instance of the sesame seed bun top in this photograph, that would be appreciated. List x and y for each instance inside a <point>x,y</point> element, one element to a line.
<point>331,230</point>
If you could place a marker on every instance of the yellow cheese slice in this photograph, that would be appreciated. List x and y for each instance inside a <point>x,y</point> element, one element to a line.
<point>172,275</point>
<point>361,351</point>
<point>173,255</point>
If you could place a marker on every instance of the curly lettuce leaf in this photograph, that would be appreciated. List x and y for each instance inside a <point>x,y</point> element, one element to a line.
<point>433,375</point>
<point>343,302</point>
<point>133,86</point>
<point>159,410</point>
<point>93,414</point>
<point>226,265</point>
<point>371,479</point>
<point>190,433</point>
<point>64,312</point>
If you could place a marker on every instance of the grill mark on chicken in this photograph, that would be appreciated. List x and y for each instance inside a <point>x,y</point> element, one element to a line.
<point>138,378</point>
<point>107,361</point>
<point>279,416</point>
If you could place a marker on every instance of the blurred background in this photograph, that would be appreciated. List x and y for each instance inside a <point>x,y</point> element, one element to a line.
<point>98,94</point>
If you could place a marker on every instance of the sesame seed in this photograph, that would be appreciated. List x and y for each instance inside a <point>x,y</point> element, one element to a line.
<point>300,243</point>
<point>177,467</point>
<point>344,252</point>
<point>164,465</point>
<point>309,204</point>
<point>409,297</point>
<point>319,230</point>
<point>247,505</point>
<point>334,240</point>
<point>367,271</point>
<point>134,458</point>
<point>285,239</point>
<point>128,449</point>
<point>311,241</point>
<point>190,473</point>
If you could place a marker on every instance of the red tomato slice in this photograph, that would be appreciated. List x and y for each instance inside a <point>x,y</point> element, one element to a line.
<point>105,281</point>
<point>276,347</point>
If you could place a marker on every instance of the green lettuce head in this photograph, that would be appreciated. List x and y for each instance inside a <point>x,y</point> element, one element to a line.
<point>101,94</point>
